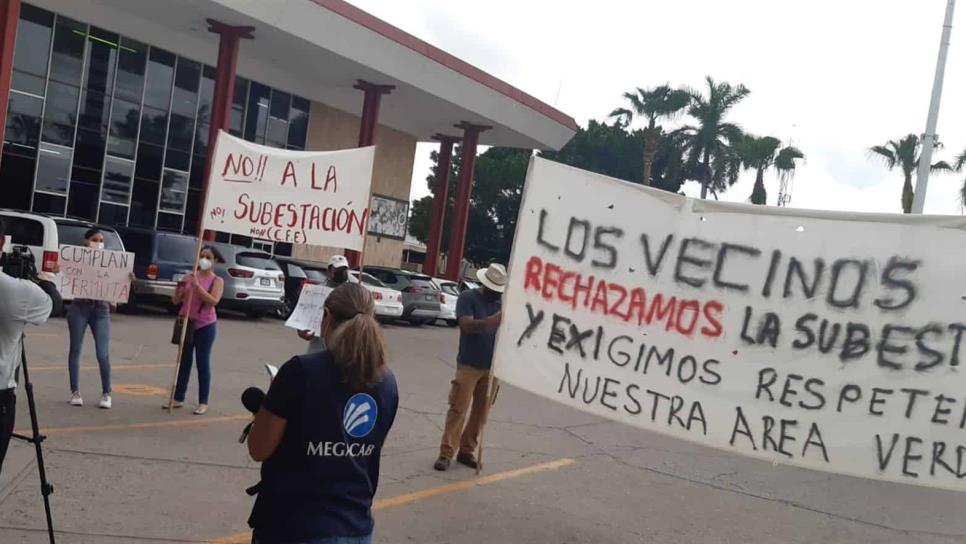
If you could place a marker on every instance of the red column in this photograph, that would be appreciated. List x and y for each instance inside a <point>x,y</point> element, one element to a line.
<point>367,134</point>
<point>440,198</point>
<point>461,211</point>
<point>229,37</point>
<point>9,15</point>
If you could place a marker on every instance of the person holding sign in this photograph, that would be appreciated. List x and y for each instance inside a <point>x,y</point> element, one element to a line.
<point>202,291</point>
<point>338,273</point>
<point>478,312</point>
<point>320,430</point>
<point>96,314</point>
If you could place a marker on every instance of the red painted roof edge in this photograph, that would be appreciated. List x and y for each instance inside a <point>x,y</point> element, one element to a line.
<point>373,23</point>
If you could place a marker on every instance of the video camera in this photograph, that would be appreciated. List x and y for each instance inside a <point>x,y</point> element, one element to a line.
<point>19,263</point>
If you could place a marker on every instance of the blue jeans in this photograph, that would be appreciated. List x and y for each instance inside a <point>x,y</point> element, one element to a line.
<point>329,540</point>
<point>201,349</point>
<point>98,317</point>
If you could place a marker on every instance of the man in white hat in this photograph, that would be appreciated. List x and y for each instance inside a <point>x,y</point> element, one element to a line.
<point>478,312</point>
<point>338,273</point>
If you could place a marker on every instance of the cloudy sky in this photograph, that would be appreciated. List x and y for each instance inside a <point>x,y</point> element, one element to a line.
<point>834,77</point>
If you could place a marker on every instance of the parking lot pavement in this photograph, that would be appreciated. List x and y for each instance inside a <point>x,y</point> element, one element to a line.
<point>137,474</point>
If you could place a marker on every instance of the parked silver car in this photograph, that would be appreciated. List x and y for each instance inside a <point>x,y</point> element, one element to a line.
<point>421,298</point>
<point>254,283</point>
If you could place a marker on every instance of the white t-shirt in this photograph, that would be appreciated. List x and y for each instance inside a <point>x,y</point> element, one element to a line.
<point>21,302</point>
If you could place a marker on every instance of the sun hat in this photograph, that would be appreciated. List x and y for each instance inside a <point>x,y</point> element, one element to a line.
<point>493,277</point>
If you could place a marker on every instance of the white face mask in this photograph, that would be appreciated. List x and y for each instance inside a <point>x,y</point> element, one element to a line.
<point>204,264</point>
<point>97,245</point>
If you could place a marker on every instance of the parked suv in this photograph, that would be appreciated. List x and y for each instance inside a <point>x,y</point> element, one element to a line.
<point>70,232</point>
<point>254,283</point>
<point>160,259</point>
<point>37,232</point>
<point>421,298</point>
<point>295,278</point>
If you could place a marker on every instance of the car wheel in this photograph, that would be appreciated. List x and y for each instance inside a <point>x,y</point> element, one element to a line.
<point>287,308</point>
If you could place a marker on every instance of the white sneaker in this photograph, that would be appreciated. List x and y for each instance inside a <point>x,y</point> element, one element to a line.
<point>76,400</point>
<point>105,402</point>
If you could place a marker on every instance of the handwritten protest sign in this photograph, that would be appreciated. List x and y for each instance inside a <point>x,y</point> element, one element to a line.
<point>95,274</point>
<point>830,341</point>
<point>299,197</point>
<point>307,315</point>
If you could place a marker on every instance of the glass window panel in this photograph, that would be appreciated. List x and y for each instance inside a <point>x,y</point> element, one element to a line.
<point>102,61</point>
<point>85,175</point>
<point>53,168</point>
<point>89,149</point>
<point>191,212</point>
<point>49,204</point>
<point>125,117</point>
<point>32,50</point>
<point>186,80</point>
<point>154,124</point>
<point>117,181</point>
<point>278,119</point>
<point>60,116</point>
<point>178,160</point>
<point>238,106</point>
<point>173,189</point>
<point>148,165</point>
<point>206,95</point>
<point>94,109</point>
<point>68,52</point>
<point>157,92</point>
<point>298,122</point>
<point>112,214</point>
<point>277,132</point>
<point>144,203</point>
<point>16,181</point>
<point>179,132</point>
<point>201,139</point>
<point>83,200</point>
<point>132,56</point>
<point>256,117</point>
<point>169,222</point>
<point>280,105</point>
<point>196,178</point>
<point>23,120</point>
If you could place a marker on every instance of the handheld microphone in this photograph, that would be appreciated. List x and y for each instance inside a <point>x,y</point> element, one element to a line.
<point>252,399</point>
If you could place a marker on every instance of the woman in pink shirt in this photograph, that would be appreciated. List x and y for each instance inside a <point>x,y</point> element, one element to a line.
<point>206,289</point>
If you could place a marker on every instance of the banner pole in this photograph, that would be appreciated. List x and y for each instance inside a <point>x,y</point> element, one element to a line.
<point>490,400</point>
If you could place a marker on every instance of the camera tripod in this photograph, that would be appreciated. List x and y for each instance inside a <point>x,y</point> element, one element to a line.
<point>46,488</point>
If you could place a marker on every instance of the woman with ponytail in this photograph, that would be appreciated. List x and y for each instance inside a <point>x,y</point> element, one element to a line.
<point>320,431</point>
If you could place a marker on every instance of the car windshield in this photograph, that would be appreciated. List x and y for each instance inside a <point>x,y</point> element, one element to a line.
<point>261,261</point>
<point>449,288</point>
<point>73,235</point>
<point>369,280</point>
<point>176,249</point>
<point>422,282</point>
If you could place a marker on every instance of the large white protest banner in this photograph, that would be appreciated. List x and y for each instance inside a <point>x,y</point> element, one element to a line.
<point>307,315</point>
<point>299,197</point>
<point>95,274</point>
<point>830,341</point>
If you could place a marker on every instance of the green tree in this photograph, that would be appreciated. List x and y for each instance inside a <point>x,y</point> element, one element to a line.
<point>958,164</point>
<point>760,154</point>
<point>904,154</point>
<point>654,104</point>
<point>712,160</point>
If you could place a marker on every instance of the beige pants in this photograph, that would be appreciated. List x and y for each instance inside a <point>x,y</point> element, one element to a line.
<point>467,395</point>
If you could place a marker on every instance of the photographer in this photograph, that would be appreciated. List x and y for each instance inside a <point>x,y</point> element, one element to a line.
<point>22,301</point>
<point>320,431</point>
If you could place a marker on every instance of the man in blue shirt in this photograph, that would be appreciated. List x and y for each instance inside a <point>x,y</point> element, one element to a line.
<point>478,312</point>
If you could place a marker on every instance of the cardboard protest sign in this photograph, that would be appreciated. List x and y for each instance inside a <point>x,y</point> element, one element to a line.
<point>95,274</point>
<point>299,197</point>
<point>307,315</point>
<point>829,341</point>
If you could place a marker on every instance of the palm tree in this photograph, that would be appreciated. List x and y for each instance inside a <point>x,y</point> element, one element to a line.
<point>711,140</point>
<point>905,155</point>
<point>762,153</point>
<point>958,165</point>
<point>661,102</point>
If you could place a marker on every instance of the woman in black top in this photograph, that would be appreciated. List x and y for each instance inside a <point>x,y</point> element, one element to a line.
<point>321,429</point>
